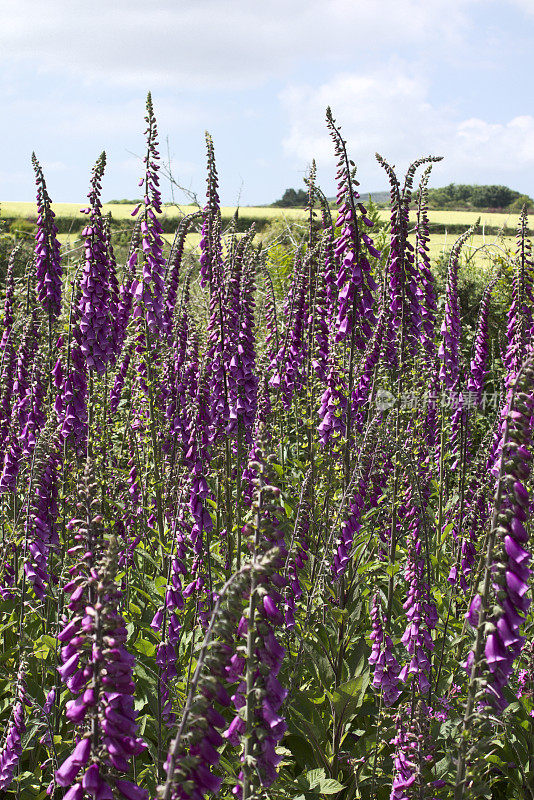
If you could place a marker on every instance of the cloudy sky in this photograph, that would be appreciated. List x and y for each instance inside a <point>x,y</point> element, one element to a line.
<point>403,77</point>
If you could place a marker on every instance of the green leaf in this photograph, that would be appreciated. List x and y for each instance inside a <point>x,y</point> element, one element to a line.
<point>145,647</point>
<point>350,695</point>
<point>330,786</point>
<point>314,777</point>
<point>317,780</point>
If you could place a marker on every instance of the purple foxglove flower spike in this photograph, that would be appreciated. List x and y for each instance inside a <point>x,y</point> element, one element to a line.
<point>98,669</point>
<point>210,239</point>
<point>519,329</point>
<point>12,745</point>
<point>150,287</point>
<point>241,369</point>
<point>174,265</point>
<point>120,378</point>
<point>355,282</point>
<point>386,674</point>
<point>420,609</point>
<point>98,301</point>
<point>502,636</point>
<point>475,383</point>
<point>451,326</point>
<point>264,724</point>
<point>406,759</point>
<point>41,530</point>
<point>333,408</point>
<point>47,249</point>
<point>406,289</point>
<point>426,292</point>
<point>288,378</point>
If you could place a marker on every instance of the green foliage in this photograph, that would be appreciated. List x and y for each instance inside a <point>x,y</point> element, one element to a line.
<point>292,197</point>
<point>474,196</point>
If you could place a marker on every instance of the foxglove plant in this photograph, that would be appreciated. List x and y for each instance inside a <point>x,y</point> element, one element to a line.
<point>288,377</point>
<point>241,369</point>
<point>407,288</point>
<point>333,408</point>
<point>420,609</point>
<point>149,293</point>
<point>48,265</point>
<point>41,523</point>
<point>449,349</point>
<point>174,266</point>
<point>386,672</point>
<point>97,305</point>
<point>508,568</point>
<point>261,694</point>
<point>426,283</point>
<point>193,754</point>
<point>98,669</point>
<point>406,768</point>
<point>451,329</point>
<point>475,383</point>
<point>519,328</point>
<point>12,746</point>
<point>211,272</point>
<point>364,383</point>
<point>7,356</point>
<point>322,315</point>
<point>71,401</point>
<point>120,379</point>
<point>210,239</point>
<point>128,286</point>
<point>353,521</point>
<point>298,550</point>
<point>497,611</point>
<point>21,405</point>
<point>355,282</point>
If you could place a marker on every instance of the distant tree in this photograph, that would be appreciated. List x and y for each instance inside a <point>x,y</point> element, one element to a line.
<point>492,196</point>
<point>459,195</point>
<point>124,202</point>
<point>292,197</point>
<point>519,202</point>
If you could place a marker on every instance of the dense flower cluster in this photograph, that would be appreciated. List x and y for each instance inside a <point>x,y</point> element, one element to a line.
<point>298,606</point>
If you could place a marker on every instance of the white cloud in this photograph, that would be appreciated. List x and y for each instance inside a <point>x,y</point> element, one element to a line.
<point>391,111</point>
<point>524,5</point>
<point>210,43</point>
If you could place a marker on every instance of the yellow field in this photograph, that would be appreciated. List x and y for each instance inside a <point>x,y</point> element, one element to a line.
<point>120,211</point>
<point>481,248</point>
<point>466,218</point>
<point>438,242</point>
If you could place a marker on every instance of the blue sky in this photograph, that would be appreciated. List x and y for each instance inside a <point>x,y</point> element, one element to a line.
<point>403,77</point>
